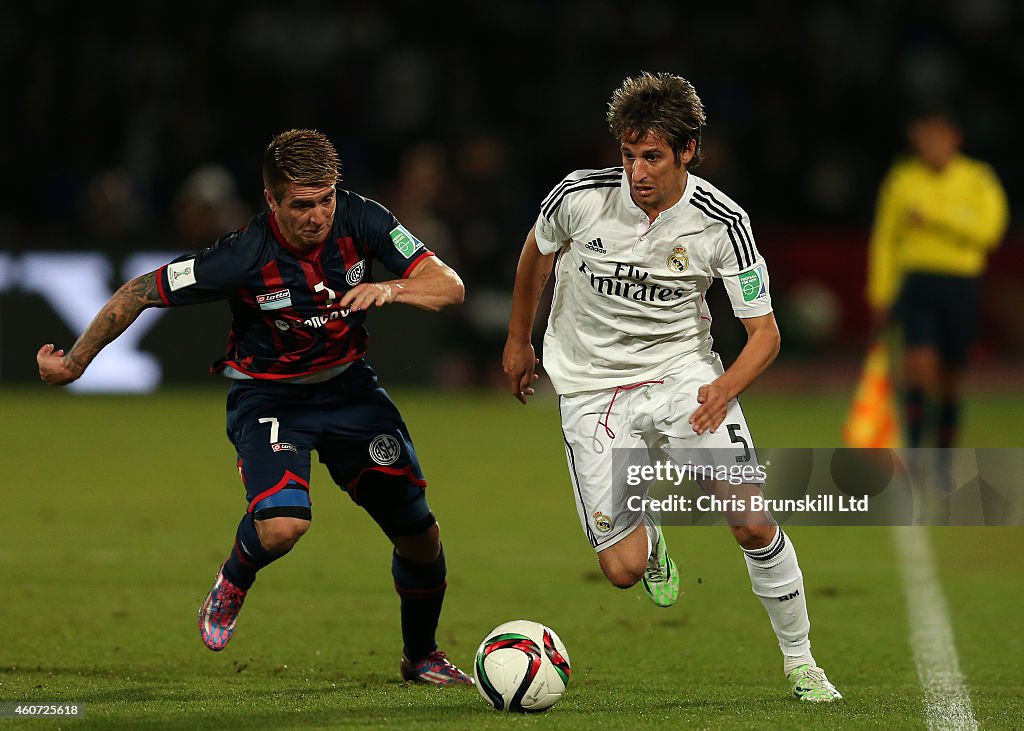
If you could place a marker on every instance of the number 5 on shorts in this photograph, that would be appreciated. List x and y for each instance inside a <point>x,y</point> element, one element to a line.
<point>736,438</point>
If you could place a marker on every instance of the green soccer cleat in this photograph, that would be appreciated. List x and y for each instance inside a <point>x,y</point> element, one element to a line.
<point>661,579</point>
<point>811,685</point>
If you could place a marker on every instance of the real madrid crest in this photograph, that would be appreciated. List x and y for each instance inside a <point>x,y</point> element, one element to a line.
<point>602,522</point>
<point>678,261</point>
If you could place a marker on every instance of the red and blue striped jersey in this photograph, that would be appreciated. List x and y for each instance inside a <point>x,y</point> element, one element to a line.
<point>286,321</point>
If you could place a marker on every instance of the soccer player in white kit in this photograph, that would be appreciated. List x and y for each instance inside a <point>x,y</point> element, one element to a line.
<point>628,346</point>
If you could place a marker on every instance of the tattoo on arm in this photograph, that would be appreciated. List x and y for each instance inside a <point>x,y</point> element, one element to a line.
<point>543,283</point>
<point>144,288</point>
<point>114,318</point>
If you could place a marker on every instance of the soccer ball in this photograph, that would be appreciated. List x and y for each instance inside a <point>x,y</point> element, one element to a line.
<point>521,666</point>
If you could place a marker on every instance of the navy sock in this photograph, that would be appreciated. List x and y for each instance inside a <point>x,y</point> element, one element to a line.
<point>247,555</point>
<point>421,587</point>
<point>913,415</point>
<point>949,422</point>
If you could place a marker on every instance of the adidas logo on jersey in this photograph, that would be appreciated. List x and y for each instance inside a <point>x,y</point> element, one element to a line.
<point>596,246</point>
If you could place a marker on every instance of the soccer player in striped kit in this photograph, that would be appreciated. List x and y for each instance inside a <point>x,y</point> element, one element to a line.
<point>628,347</point>
<point>299,280</point>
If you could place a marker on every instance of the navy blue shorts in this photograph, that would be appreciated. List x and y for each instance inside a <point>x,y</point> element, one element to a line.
<point>357,432</point>
<point>941,311</point>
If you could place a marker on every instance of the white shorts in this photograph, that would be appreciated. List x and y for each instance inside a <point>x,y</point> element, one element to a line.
<point>646,418</point>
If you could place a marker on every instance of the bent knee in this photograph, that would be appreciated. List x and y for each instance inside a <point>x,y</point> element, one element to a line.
<point>622,573</point>
<point>623,578</point>
<point>624,562</point>
<point>753,536</point>
<point>422,547</point>
<point>279,535</point>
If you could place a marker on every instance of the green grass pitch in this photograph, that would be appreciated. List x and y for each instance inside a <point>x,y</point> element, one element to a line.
<point>117,512</point>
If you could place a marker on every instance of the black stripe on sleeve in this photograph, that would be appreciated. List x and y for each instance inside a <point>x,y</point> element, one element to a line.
<point>736,216</point>
<point>604,174</point>
<point>550,210</point>
<point>702,207</point>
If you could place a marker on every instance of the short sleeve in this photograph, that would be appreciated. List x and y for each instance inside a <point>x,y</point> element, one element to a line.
<point>208,275</point>
<point>388,241</point>
<point>740,266</point>
<point>554,228</point>
<point>550,235</point>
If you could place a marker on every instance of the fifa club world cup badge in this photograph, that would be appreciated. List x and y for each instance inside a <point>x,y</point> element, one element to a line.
<point>602,522</point>
<point>678,261</point>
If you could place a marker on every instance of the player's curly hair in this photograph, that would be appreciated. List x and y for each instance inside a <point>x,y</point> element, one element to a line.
<point>662,103</point>
<point>302,156</point>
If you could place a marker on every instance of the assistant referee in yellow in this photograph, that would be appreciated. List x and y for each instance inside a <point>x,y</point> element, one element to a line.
<point>939,215</point>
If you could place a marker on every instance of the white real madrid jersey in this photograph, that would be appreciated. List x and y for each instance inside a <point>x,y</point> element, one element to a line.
<point>629,294</point>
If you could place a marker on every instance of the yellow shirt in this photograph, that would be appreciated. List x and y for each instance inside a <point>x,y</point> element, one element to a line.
<point>963,215</point>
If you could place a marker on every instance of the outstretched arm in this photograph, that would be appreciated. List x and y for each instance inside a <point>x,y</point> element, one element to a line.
<point>762,346</point>
<point>519,360</point>
<point>432,285</point>
<point>59,368</point>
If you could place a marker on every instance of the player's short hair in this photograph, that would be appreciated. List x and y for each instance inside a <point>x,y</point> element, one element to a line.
<point>662,103</point>
<point>302,156</point>
<point>933,109</point>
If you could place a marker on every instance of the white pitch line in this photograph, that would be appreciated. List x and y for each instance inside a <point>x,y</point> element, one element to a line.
<point>947,702</point>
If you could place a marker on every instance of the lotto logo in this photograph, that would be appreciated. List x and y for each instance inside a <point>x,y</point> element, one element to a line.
<point>275,300</point>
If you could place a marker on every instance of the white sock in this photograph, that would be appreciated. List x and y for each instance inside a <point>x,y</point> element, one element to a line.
<point>652,534</point>
<point>777,581</point>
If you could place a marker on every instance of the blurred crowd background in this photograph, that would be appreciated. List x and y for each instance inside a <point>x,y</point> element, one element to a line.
<point>140,127</point>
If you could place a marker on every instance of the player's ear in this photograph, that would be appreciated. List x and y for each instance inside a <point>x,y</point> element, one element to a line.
<point>270,199</point>
<point>687,153</point>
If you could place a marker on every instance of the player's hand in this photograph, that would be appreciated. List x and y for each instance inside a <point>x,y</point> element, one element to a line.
<point>880,317</point>
<point>711,412</point>
<point>368,294</point>
<point>54,368</point>
<point>519,361</point>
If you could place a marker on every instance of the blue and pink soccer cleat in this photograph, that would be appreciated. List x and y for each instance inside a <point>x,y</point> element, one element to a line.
<point>435,669</point>
<point>219,612</point>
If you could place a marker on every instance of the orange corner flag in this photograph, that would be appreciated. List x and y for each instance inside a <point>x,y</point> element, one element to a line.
<point>873,421</point>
